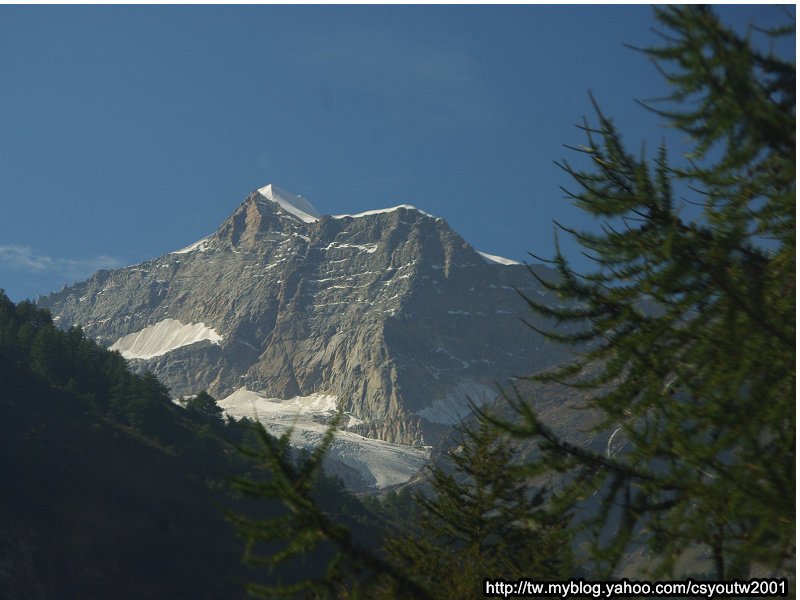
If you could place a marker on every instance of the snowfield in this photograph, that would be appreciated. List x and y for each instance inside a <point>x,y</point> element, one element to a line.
<point>378,463</point>
<point>380,211</point>
<point>163,337</point>
<point>295,205</point>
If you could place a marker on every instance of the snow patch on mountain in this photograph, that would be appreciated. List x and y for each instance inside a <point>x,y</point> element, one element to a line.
<point>246,403</point>
<point>164,336</point>
<point>492,259</point>
<point>451,409</point>
<point>381,211</point>
<point>378,463</point>
<point>201,245</point>
<point>294,205</point>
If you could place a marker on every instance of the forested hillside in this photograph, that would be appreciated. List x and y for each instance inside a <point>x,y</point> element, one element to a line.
<point>109,489</point>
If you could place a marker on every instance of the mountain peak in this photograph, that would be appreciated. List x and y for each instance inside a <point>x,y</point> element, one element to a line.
<point>294,205</point>
<point>388,310</point>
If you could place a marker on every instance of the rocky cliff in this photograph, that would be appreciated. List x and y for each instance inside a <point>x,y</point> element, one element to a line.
<point>390,311</point>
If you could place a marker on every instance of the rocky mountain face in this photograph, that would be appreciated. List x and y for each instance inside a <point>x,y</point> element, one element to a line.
<point>390,311</point>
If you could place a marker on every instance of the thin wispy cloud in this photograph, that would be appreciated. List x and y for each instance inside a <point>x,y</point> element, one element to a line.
<point>23,258</point>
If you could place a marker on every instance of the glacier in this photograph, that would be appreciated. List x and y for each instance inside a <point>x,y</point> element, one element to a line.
<point>379,464</point>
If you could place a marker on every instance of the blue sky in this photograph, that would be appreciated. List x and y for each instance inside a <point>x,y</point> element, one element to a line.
<point>128,132</point>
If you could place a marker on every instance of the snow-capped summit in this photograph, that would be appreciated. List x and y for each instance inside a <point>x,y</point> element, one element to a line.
<point>295,205</point>
<point>389,310</point>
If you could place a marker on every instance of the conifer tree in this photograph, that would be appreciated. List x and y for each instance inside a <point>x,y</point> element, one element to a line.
<point>205,404</point>
<point>690,327</point>
<point>482,519</point>
<point>306,530</point>
<point>692,323</point>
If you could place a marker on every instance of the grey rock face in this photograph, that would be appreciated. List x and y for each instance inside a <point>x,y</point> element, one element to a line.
<point>391,311</point>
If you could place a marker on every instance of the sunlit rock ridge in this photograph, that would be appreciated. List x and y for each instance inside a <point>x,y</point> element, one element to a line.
<point>389,311</point>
